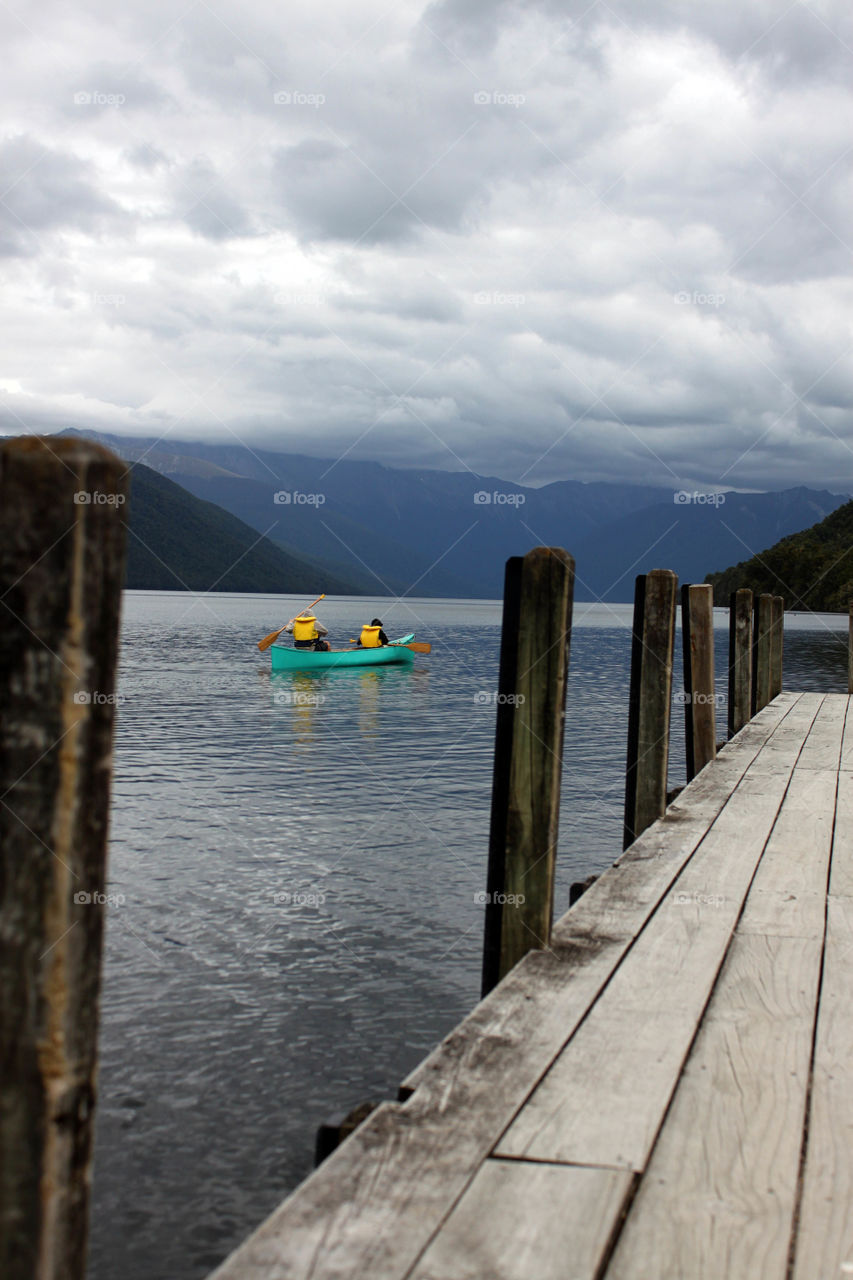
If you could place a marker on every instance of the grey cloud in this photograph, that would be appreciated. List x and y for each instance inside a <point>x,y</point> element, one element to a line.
<point>42,190</point>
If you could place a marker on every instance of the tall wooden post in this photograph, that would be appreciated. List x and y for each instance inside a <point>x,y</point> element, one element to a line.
<point>740,659</point>
<point>697,632</point>
<point>777,642</point>
<point>649,708</point>
<point>534,663</point>
<point>850,648</point>
<point>761,652</point>
<point>61,567</point>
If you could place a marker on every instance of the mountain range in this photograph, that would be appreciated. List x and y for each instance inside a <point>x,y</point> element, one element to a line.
<point>383,530</point>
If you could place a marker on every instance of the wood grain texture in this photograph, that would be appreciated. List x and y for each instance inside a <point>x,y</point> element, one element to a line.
<point>841,871</point>
<point>740,659</point>
<point>697,629</point>
<point>649,704</point>
<point>600,1104</point>
<point>824,1246</point>
<point>61,570</point>
<point>519,1220</point>
<point>762,628</point>
<point>822,748</point>
<point>788,894</point>
<point>528,759</point>
<point>718,1197</point>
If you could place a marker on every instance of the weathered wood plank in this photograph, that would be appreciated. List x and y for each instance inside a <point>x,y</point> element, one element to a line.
<point>762,629</point>
<point>649,704</point>
<point>528,757</point>
<point>599,1105</point>
<point>824,1242</point>
<point>719,1194</point>
<point>822,748</point>
<point>61,570</point>
<point>841,872</point>
<point>740,659</point>
<point>788,895</point>
<point>777,646</point>
<point>700,707</point>
<point>520,1220</point>
<point>375,1204</point>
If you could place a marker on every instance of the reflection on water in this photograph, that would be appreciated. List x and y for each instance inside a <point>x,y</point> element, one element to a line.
<point>299,856</point>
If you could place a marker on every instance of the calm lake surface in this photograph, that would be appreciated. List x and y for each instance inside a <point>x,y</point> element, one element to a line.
<point>296,860</point>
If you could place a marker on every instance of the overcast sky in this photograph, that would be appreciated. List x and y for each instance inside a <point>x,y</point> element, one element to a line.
<point>600,241</point>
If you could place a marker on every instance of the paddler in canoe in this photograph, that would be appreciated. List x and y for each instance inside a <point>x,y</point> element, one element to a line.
<point>308,632</point>
<point>372,635</point>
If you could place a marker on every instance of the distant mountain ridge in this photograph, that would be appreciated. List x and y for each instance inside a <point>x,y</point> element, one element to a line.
<point>177,542</point>
<point>812,569</point>
<point>427,532</point>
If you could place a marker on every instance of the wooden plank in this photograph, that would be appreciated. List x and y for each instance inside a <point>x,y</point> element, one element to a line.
<point>776,755</point>
<point>824,1242</point>
<point>520,1220</point>
<point>740,659</point>
<point>777,645</point>
<point>600,1105</point>
<point>649,703</point>
<point>719,1195</point>
<point>761,651</point>
<point>528,758</point>
<point>841,872</point>
<point>61,568</point>
<point>374,1205</point>
<point>847,741</point>
<point>700,706</point>
<point>822,749</point>
<point>788,894</point>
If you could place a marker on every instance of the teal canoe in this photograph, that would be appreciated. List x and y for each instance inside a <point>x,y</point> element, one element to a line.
<point>288,659</point>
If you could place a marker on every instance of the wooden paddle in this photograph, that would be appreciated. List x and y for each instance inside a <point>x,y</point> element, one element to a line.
<point>417,646</point>
<point>264,644</point>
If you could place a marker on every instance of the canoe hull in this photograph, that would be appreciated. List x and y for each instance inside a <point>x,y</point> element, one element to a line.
<point>286,659</point>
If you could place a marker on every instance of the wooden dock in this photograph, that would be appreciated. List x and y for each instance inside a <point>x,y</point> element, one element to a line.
<point>665,1091</point>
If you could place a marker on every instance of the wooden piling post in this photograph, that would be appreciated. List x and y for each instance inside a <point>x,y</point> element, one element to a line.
<point>762,630</point>
<point>740,659</point>
<point>62,511</point>
<point>534,663</point>
<point>777,643</point>
<point>649,708</point>
<point>700,720</point>
<point>850,648</point>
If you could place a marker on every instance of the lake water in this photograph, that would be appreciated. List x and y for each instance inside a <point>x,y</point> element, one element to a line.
<point>296,860</point>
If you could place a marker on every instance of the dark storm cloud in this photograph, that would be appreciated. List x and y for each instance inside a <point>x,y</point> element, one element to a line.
<point>534,239</point>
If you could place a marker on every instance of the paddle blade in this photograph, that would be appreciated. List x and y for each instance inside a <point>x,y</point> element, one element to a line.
<point>264,644</point>
<point>419,646</point>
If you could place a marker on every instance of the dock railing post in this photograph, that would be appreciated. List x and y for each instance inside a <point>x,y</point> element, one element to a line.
<point>740,659</point>
<point>777,644</point>
<point>649,706</point>
<point>762,639</point>
<point>534,661</point>
<point>61,569</point>
<point>700,720</point>
<point>850,648</point>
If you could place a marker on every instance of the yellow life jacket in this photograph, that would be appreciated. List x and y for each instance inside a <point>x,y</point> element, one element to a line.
<point>303,628</point>
<point>370,637</point>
